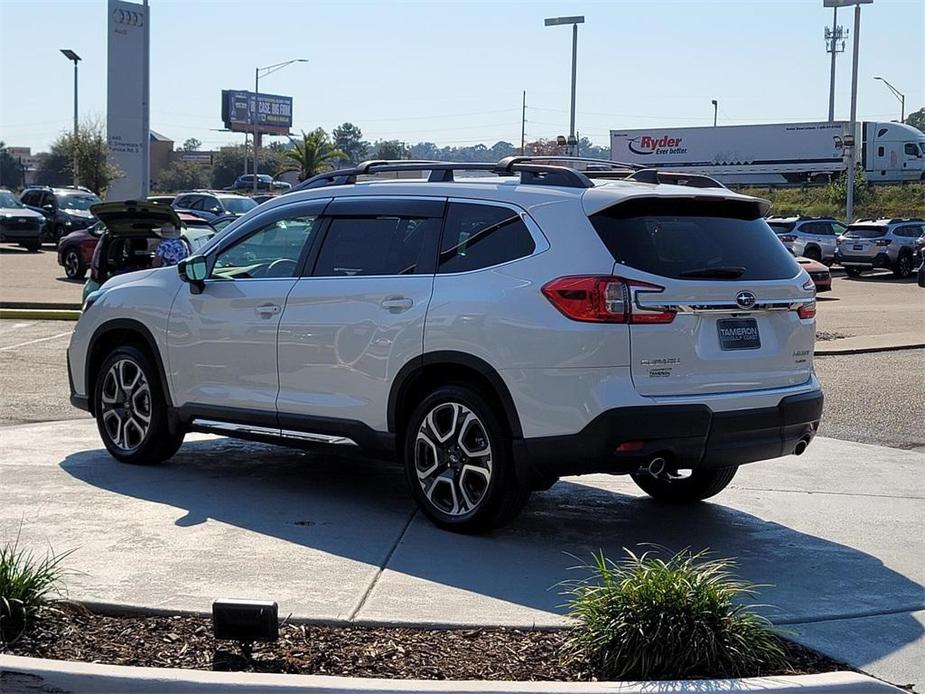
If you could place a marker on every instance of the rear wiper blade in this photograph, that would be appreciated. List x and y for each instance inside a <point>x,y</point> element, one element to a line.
<point>724,272</point>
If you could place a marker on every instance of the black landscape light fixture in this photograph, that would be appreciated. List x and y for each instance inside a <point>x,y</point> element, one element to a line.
<point>245,621</point>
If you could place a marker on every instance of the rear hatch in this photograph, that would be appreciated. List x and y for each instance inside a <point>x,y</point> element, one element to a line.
<point>134,217</point>
<point>863,241</point>
<point>715,303</point>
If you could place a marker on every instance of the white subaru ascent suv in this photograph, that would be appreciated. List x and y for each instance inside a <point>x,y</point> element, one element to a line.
<point>492,332</point>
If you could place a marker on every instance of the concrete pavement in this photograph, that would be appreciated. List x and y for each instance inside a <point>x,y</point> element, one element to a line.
<point>836,532</point>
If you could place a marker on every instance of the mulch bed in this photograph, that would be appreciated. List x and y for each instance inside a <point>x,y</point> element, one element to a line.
<point>457,654</point>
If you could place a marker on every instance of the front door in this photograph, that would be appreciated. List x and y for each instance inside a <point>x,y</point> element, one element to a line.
<point>358,315</point>
<point>222,341</point>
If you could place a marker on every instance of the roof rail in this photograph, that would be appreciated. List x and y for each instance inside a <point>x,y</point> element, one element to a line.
<point>539,158</point>
<point>676,178</point>
<point>896,220</point>
<point>442,172</point>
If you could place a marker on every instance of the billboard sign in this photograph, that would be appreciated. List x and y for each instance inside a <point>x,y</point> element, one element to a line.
<point>274,112</point>
<point>127,98</point>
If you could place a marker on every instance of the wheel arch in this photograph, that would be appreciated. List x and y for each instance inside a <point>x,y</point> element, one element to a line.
<point>117,333</point>
<point>430,370</point>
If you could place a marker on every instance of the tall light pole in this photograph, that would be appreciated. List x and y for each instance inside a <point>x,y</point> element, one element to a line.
<point>715,110</point>
<point>72,56</point>
<point>899,95</point>
<point>853,125</point>
<point>264,71</point>
<point>574,21</point>
<point>834,44</point>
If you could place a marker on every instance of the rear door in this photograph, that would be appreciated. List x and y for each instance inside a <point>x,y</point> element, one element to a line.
<point>357,316</point>
<point>718,267</point>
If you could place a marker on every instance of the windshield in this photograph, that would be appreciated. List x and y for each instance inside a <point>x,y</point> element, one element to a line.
<point>694,240</point>
<point>238,205</point>
<point>77,202</point>
<point>862,232</point>
<point>7,199</point>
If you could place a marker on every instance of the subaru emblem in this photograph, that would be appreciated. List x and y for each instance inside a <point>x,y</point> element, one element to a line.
<point>746,299</point>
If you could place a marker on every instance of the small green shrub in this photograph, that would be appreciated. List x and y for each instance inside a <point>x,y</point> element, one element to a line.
<point>26,584</point>
<point>647,618</point>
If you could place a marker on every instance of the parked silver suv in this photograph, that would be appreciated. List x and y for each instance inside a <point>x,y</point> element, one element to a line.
<point>493,333</point>
<point>810,237</point>
<point>881,243</point>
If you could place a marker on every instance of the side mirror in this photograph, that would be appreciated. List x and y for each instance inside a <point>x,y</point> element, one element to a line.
<point>194,270</point>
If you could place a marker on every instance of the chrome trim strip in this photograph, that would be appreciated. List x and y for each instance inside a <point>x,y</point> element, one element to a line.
<point>231,428</point>
<point>724,306</point>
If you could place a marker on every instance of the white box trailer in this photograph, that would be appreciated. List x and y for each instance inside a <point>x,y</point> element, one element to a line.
<point>777,153</point>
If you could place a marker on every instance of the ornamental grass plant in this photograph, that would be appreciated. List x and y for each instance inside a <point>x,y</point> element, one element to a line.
<point>650,618</point>
<point>27,583</point>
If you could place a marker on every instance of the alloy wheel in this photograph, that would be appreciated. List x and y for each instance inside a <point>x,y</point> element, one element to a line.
<point>71,264</point>
<point>125,405</point>
<point>453,458</point>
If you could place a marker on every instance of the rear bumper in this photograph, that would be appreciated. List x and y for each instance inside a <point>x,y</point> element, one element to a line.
<point>688,436</point>
<point>879,260</point>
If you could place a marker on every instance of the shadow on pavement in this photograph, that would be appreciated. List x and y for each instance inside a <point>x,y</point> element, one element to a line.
<point>342,505</point>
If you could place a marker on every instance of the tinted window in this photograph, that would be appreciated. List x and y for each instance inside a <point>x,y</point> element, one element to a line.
<point>376,245</point>
<point>30,197</point>
<point>8,200</point>
<point>692,239</point>
<point>859,231</point>
<point>209,204</point>
<point>780,227</point>
<point>273,251</point>
<point>237,205</point>
<point>880,151</point>
<point>911,149</point>
<point>479,236</point>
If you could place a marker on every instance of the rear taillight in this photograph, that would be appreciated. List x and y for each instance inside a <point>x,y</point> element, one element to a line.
<point>603,299</point>
<point>807,310</point>
<point>787,238</point>
<point>883,242</point>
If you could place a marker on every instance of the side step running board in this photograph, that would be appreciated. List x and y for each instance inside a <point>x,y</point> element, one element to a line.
<point>232,429</point>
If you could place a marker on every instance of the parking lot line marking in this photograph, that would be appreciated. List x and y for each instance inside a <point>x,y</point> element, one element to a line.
<point>32,342</point>
<point>11,328</point>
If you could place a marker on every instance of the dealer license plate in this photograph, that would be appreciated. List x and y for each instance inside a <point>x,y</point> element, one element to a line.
<point>738,333</point>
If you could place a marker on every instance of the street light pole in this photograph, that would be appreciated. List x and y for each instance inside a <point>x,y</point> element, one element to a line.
<point>270,69</point>
<point>899,95</point>
<point>72,56</point>
<point>574,21</point>
<point>715,110</point>
<point>852,152</point>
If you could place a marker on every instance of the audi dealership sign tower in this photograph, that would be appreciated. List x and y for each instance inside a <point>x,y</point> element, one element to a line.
<point>127,116</point>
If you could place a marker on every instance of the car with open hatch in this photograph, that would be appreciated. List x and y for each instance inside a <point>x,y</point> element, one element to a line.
<point>492,333</point>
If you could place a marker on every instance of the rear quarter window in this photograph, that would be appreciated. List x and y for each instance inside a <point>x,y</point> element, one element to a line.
<point>694,239</point>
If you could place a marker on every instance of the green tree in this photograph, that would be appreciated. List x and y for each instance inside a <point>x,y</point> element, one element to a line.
<point>313,153</point>
<point>192,145</point>
<point>348,138</point>
<point>182,175</point>
<point>389,149</point>
<point>10,169</point>
<point>94,168</point>
<point>228,163</point>
<point>56,167</point>
<point>917,119</point>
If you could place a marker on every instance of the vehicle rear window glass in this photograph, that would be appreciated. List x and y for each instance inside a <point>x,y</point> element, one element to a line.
<point>865,232</point>
<point>77,202</point>
<point>781,227</point>
<point>694,239</point>
<point>479,236</point>
<point>379,245</point>
<point>238,205</point>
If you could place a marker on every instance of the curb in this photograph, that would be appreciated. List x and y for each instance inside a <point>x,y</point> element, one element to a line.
<point>20,675</point>
<point>40,313</point>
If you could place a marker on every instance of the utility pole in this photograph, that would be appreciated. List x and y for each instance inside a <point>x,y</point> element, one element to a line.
<point>268,70</point>
<point>899,95</point>
<point>715,110</point>
<point>523,126</point>
<point>835,44</point>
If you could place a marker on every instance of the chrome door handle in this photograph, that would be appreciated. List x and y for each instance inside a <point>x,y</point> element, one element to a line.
<point>267,310</point>
<point>396,303</point>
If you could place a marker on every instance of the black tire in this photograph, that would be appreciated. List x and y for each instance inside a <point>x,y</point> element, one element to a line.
<point>493,503</point>
<point>701,484</point>
<point>32,246</point>
<point>853,271</point>
<point>813,253</point>
<point>903,267</point>
<point>125,441</point>
<point>74,266</point>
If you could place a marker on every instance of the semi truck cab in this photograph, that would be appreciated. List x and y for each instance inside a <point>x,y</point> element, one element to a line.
<point>893,152</point>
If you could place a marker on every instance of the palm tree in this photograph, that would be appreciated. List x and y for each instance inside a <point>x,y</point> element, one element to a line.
<point>314,153</point>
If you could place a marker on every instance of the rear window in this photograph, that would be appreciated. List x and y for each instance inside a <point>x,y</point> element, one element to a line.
<point>238,205</point>
<point>865,232</point>
<point>694,240</point>
<point>781,227</point>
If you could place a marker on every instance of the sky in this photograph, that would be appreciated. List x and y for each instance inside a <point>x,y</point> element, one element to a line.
<point>453,71</point>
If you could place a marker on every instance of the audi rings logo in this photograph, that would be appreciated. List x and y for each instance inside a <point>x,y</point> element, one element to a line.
<point>746,299</point>
<point>128,18</point>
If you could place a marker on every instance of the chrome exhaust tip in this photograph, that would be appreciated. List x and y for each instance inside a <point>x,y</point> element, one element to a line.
<point>656,466</point>
<point>801,446</point>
